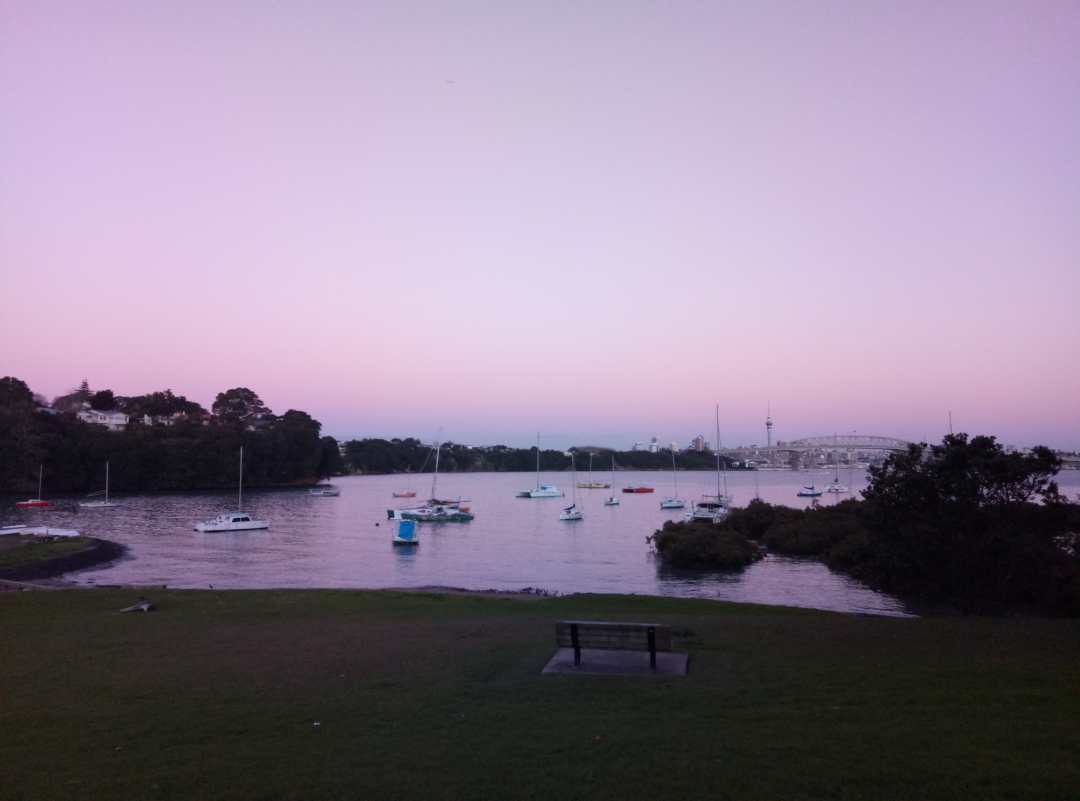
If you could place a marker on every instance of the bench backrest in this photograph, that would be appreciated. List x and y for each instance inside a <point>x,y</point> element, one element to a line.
<point>613,636</point>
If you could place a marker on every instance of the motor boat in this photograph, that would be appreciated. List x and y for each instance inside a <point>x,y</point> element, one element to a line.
<point>325,491</point>
<point>405,494</point>
<point>542,491</point>
<point>406,533</point>
<point>231,521</point>
<point>672,503</point>
<point>638,490</point>
<point>808,492</point>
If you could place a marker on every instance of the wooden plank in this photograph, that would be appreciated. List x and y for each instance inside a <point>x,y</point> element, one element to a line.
<point>612,635</point>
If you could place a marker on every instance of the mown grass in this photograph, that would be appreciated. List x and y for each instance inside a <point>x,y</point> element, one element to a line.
<point>430,696</point>
<point>29,550</point>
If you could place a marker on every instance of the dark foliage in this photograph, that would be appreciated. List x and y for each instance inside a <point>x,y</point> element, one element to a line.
<point>192,453</point>
<point>410,455</point>
<point>698,544</point>
<point>962,524</point>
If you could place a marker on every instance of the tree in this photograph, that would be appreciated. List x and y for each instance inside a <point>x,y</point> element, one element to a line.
<point>968,523</point>
<point>103,400</point>
<point>240,406</point>
<point>15,393</point>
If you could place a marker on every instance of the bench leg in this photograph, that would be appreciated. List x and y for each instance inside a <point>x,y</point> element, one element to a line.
<point>576,643</point>
<point>652,648</point>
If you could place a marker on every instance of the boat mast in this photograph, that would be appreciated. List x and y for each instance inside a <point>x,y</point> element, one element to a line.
<point>573,473</point>
<point>719,499</point>
<point>435,477</point>
<point>240,489</point>
<point>674,475</point>
<point>538,460</point>
<point>40,479</point>
<point>106,481</point>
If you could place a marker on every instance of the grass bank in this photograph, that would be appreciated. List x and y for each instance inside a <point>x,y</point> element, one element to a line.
<point>439,696</point>
<point>30,557</point>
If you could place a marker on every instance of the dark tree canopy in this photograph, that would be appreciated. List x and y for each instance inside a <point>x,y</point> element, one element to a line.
<point>180,454</point>
<point>14,392</point>
<point>160,404</point>
<point>103,400</point>
<point>240,406</point>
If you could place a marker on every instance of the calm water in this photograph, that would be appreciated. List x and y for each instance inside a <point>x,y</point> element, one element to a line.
<point>512,544</point>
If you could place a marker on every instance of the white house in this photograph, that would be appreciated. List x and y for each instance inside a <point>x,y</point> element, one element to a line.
<point>112,420</point>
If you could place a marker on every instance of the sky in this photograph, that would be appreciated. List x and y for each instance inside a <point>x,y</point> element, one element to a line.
<point>592,220</point>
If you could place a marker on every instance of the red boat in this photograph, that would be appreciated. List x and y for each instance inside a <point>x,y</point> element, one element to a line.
<point>637,489</point>
<point>405,494</point>
<point>35,503</point>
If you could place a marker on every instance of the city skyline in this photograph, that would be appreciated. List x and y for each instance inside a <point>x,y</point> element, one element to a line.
<point>593,222</point>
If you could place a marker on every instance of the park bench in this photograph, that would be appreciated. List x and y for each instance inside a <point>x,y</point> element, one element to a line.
<point>605,636</point>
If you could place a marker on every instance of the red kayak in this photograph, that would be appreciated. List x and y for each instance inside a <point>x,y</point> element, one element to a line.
<point>33,503</point>
<point>637,489</point>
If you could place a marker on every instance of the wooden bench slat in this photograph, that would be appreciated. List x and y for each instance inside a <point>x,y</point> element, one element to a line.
<point>614,636</point>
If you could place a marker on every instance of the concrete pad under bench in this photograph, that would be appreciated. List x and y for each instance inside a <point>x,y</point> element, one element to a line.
<point>596,662</point>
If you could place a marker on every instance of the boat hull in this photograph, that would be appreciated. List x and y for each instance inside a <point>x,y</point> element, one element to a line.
<point>637,490</point>
<point>252,525</point>
<point>33,503</point>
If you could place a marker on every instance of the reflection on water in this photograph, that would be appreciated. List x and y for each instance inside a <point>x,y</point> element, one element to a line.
<point>512,544</point>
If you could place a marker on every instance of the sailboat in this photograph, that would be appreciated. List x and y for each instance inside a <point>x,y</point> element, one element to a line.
<point>105,504</point>
<point>808,491</point>
<point>435,510</point>
<point>234,521</point>
<point>713,508</point>
<point>542,490</point>
<point>590,484</point>
<point>836,486</point>
<point>35,503</point>
<point>613,499</point>
<point>571,512</point>
<point>674,502</point>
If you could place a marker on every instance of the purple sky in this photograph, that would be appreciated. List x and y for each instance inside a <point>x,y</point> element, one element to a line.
<point>595,220</point>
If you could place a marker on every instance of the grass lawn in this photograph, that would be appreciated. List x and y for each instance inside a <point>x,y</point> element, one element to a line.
<point>17,551</point>
<point>427,696</point>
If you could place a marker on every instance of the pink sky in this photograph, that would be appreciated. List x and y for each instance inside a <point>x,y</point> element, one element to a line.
<point>593,220</point>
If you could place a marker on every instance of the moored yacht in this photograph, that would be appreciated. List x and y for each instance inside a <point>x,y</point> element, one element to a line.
<point>542,490</point>
<point>35,503</point>
<point>234,521</point>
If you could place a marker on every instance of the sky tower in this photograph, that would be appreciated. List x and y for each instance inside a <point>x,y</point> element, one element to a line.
<point>768,427</point>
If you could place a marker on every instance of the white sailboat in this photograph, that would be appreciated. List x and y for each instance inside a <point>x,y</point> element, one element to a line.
<point>234,521</point>
<point>105,504</point>
<point>836,486</point>
<point>542,490</point>
<point>613,499</point>
<point>673,502</point>
<point>713,508</point>
<point>571,513</point>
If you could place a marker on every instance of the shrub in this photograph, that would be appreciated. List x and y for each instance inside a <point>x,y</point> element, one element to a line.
<point>697,544</point>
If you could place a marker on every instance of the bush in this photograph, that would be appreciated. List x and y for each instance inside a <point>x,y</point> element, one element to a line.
<point>697,544</point>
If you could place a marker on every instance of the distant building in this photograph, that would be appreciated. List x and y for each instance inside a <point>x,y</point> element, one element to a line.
<point>699,444</point>
<point>112,420</point>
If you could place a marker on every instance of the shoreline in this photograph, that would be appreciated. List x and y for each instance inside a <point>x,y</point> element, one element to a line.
<point>99,552</point>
